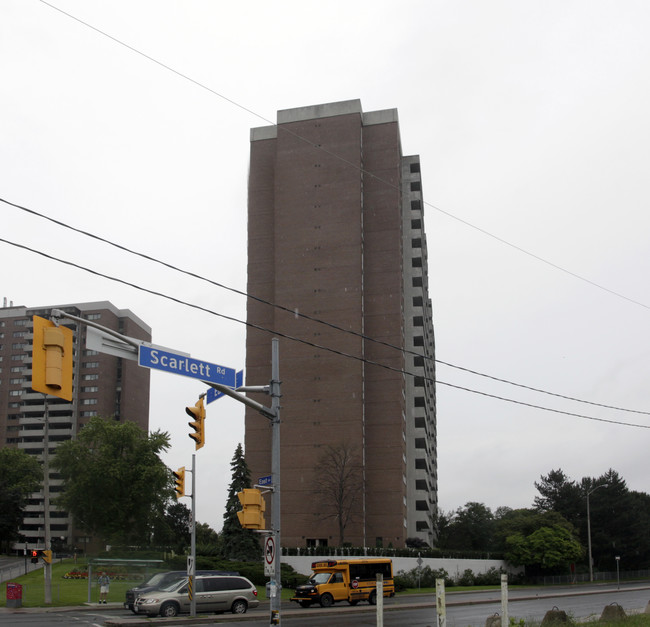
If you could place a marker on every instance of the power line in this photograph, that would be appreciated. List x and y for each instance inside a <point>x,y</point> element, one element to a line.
<point>311,344</point>
<point>349,163</point>
<point>306,316</point>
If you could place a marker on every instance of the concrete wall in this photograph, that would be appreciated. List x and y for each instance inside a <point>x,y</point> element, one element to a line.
<point>454,567</point>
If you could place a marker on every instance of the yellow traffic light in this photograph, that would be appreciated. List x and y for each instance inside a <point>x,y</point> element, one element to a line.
<point>52,359</point>
<point>179,480</point>
<point>253,508</point>
<point>46,555</point>
<point>198,424</point>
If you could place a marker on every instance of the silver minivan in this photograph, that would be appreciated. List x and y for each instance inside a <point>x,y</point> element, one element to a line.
<point>213,593</point>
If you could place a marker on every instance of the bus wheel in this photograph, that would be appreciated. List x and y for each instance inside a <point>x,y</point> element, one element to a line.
<point>372,599</point>
<point>326,600</point>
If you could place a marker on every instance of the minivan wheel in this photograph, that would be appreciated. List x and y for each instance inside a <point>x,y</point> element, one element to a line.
<point>169,609</point>
<point>326,600</point>
<point>239,607</point>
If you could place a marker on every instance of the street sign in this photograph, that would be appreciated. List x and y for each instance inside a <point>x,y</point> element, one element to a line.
<point>268,480</point>
<point>269,556</point>
<point>158,359</point>
<point>213,394</point>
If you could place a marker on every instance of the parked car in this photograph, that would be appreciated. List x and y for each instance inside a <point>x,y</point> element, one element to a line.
<point>212,593</point>
<point>162,580</point>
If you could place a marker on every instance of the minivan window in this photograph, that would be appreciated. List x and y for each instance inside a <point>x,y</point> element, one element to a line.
<point>236,583</point>
<point>213,584</point>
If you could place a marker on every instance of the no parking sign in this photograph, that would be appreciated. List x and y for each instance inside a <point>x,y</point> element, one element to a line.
<point>269,556</point>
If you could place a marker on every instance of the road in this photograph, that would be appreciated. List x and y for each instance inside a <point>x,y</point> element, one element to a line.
<point>468,609</point>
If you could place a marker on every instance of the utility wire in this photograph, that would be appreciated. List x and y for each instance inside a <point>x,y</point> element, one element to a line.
<point>306,316</point>
<point>353,165</point>
<point>311,344</point>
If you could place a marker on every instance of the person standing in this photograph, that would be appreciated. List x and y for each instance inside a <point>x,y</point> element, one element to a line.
<point>104,582</point>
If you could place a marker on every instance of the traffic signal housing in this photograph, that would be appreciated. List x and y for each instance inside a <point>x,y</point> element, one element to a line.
<point>198,424</point>
<point>52,359</point>
<point>253,507</point>
<point>44,554</point>
<point>179,481</point>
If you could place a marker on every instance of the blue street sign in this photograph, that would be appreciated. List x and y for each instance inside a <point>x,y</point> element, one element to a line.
<point>158,359</point>
<point>212,394</point>
<point>265,480</point>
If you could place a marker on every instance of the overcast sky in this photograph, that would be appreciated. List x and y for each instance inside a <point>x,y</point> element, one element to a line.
<point>531,120</point>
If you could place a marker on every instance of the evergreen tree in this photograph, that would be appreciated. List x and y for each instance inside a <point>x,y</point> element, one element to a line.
<point>235,541</point>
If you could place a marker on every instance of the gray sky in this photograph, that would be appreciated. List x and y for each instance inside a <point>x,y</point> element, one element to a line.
<point>531,120</point>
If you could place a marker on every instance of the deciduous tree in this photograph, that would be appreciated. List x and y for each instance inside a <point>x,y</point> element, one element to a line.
<point>115,484</point>
<point>20,474</point>
<point>339,486</point>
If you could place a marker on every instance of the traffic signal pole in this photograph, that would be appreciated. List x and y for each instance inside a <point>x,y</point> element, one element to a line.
<point>47,567</point>
<point>276,598</point>
<point>273,414</point>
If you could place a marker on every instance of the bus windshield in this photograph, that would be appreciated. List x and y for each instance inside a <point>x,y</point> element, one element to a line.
<point>320,578</point>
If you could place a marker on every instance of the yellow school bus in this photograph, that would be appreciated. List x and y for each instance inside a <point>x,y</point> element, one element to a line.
<point>345,580</point>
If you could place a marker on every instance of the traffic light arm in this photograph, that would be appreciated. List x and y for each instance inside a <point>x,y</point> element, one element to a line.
<point>265,411</point>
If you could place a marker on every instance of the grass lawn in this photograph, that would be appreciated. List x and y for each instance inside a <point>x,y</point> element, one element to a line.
<point>64,591</point>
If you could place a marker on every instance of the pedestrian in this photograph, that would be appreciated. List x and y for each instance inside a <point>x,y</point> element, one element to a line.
<point>103,581</point>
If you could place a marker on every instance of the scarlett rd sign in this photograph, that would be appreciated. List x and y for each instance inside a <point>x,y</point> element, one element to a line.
<point>151,357</point>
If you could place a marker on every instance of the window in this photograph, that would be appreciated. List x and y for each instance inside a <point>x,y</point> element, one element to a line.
<point>417,301</point>
<point>415,167</point>
<point>93,316</point>
<point>416,224</point>
<point>417,281</point>
<point>416,242</point>
<point>416,186</point>
<point>90,364</point>
<point>88,414</point>
<point>15,392</point>
<point>416,205</point>
<point>418,340</point>
<point>90,377</point>
<point>16,369</point>
<point>17,345</point>
<point>88,353</point>
<point>418,361</point>
<point>21,323</point>
<point>19,357</point>
<point>89,401</point>
<point>19,334</point>
<point>90,388</point>
<point>16,381</point>
<point>416,262</point>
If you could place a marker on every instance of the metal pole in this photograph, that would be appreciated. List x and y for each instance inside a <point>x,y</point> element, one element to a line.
<point>591,567</point>
<point>193,540</point>
<point>504,600</point>
<point>47,568</point>
<point>276,581</point>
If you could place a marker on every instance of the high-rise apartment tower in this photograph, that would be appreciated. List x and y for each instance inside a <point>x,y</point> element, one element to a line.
<point>103,385</point>
<point>336,239</point>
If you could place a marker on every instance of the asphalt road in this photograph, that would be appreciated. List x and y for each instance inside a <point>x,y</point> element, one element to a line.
<point>469,609</point>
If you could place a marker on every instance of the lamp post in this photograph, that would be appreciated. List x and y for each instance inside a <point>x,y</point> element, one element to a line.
<point>618,575</point>
<point>591,565</point>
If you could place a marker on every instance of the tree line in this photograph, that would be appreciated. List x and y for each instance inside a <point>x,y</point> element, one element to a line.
<point>119,491</point>
<point>552,535</point>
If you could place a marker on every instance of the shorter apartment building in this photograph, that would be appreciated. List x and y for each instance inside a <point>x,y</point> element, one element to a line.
<point>103,385</point>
